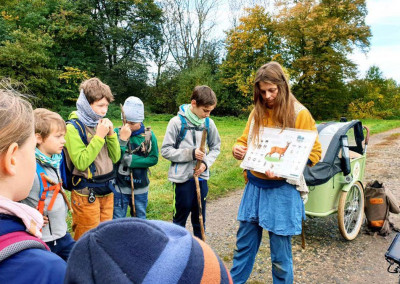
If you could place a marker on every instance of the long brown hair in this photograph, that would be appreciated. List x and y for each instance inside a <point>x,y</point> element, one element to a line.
<point>283,115</point>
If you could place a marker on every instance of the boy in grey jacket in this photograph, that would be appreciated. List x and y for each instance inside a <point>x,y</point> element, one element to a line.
<point>181,146</point>
<point>48,197</point>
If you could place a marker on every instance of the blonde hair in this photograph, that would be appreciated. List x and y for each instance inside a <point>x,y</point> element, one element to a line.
<point>16,119</point>
<point>46,121</point>
<point>96,90</point>
<point>284,114</point>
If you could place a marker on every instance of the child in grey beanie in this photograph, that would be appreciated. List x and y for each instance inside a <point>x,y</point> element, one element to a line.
<point>139,151</point>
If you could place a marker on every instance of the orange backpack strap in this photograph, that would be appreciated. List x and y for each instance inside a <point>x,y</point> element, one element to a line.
<point>42,196</point>
<point>45,188</point>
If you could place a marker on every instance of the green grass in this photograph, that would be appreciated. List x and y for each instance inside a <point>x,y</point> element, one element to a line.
<point>226,175</point>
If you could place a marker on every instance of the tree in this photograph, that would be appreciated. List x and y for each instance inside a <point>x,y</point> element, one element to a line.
<point>318,36</point>
<point>374,96</point>
<point>251,44</point>
<point>187,30</point>
<point>127,30</point>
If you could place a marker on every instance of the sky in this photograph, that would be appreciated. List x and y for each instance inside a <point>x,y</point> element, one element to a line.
<point>384,20</point>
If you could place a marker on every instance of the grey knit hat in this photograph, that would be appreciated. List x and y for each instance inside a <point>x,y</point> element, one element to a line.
<point>134,109</point>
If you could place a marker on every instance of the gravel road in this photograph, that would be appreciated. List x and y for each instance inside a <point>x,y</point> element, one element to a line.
<point>328,258</point>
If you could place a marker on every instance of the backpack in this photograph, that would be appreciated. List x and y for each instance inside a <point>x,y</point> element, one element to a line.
<point>65,169</point>
<point>378,203</point>
<point>140,177</point>
<point>185,128</point>
<point>45,188</point>
<point>101,185</point>
<point>13,243</point>
<point>145,147</point>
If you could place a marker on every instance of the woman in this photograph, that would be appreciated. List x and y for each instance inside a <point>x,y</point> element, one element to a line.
<point>269,202</point>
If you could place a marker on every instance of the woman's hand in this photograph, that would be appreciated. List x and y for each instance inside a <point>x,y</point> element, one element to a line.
<point>239,152</point>
<point>270,174</point>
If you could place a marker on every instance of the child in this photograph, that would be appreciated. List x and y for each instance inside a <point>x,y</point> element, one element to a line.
<point>270,202</point>
<point>184,154</point>
<point>92,147</point>
<point>157,252</point>
<point>137,157</point>
<point>50,131</point>
<point>24,258</point>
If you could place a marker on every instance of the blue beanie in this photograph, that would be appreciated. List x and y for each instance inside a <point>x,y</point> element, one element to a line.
<point>134,109</point>
<point>133,250</point>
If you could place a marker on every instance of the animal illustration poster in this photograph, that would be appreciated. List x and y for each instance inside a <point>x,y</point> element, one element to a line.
<point>285,153</point>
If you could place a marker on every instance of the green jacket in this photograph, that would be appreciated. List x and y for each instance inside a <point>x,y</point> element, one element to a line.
<point>137,160</point>
<point>103,152</point>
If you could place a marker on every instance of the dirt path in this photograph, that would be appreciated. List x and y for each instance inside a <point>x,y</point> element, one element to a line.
<point>328,258</point>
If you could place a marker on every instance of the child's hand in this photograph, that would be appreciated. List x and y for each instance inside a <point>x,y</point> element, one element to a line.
<point>239,152</point>
<point>199,154</point>
<point>102,128</point>
<point>200,170</point>
<point>110,126</point>
<point>125,132</point>
<point>45,220</point>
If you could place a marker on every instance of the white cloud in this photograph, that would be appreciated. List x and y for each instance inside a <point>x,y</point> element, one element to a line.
<point>387,58</point>
<point>383,11</point>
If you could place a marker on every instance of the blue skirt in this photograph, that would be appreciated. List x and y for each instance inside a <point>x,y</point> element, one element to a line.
<point>274,204</point>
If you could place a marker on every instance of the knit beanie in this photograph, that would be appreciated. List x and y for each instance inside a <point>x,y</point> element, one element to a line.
<point>133,250</point>
<point>134,109</point>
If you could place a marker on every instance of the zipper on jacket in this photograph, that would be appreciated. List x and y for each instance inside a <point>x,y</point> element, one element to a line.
<point>176,168</point>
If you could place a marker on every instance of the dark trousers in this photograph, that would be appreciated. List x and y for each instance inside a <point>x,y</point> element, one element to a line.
<point>186,202</point>
<point>62,246</point>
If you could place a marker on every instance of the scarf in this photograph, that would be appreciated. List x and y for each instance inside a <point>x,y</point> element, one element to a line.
<point>53,162</point>
<point>194,119</point>
<point>31,218</point>
<point>85,112</point>
<point>139,131</point>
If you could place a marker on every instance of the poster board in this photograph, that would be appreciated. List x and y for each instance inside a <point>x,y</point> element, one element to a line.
<point>285,153</point>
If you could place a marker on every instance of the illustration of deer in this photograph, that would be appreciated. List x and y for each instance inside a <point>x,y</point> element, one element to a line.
<point>278,150</point>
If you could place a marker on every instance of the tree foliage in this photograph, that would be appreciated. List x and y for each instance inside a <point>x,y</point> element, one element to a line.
<point>251,44</point>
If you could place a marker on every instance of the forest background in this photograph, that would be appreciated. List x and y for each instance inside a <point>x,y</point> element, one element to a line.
<point>159,50</point>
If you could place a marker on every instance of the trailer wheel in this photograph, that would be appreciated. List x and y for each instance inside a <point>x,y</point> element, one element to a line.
<point>351,211</point>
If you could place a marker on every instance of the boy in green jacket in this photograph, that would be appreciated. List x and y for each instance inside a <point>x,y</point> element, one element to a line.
<point>93,175</point>
<point>139,151</point>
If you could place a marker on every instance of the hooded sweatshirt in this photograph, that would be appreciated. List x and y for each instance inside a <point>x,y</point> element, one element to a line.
<point>182,159</point>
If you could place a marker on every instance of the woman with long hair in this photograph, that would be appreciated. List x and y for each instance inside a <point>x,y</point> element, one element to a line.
<point>269,202</point>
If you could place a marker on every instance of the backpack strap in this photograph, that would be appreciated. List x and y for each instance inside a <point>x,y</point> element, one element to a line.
<point>45,188</point>
<point>13,243</point>
<point>147,139</point>
<point>185,128</point>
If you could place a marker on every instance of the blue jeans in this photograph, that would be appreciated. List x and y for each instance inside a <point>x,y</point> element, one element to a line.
<point>62,246</point>
<point>247,244</point>
<point>122,201</point>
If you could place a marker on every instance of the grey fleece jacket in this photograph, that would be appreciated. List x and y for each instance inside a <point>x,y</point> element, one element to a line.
<point>182,159</point>
<point>57,226</point>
